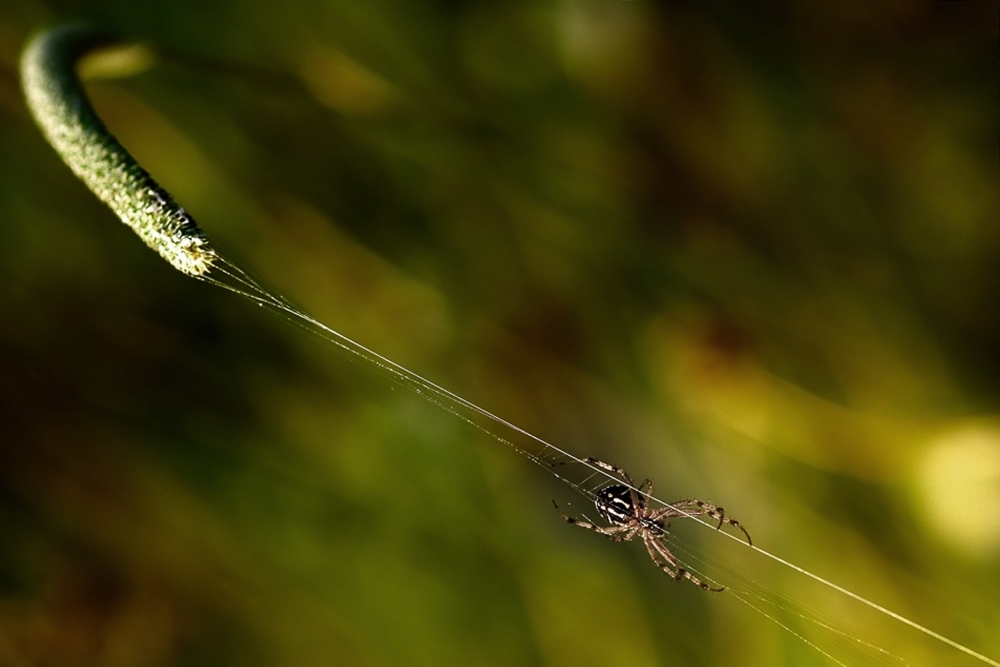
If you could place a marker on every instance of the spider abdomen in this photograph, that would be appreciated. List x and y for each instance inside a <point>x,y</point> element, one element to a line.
<point>614,503</point>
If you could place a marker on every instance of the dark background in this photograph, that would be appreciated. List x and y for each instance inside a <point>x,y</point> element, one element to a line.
<point>748,249</point>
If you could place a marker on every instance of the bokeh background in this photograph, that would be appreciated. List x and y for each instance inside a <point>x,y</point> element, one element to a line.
<point>748,249</point>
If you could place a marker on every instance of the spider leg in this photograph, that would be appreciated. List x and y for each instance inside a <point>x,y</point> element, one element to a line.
<point>669,564</point>
<point>693,507</point>
<point>614,533</point>
<point>610,468</point>
<point>640,498</point>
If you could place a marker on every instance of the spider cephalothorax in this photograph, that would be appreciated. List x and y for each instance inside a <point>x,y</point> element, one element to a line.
<point>626,508</point>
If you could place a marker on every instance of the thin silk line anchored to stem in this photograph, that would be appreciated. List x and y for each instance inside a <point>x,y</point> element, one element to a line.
<point>67,119</point>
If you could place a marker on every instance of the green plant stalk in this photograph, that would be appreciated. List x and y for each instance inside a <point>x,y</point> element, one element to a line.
<point>68,120</point>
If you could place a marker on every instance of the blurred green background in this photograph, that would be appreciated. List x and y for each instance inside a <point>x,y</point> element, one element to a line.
<point>747,249</point>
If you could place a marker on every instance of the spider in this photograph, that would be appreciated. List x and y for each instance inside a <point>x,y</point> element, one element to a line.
<point>626,508</point>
